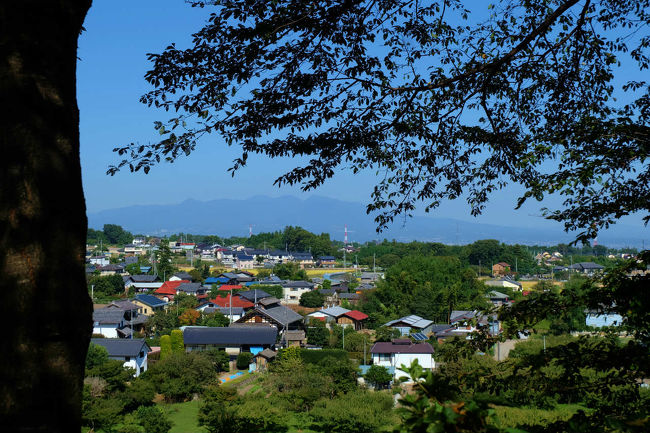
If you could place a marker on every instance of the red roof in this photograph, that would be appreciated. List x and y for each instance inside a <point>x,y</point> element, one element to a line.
<point>230,287</point>
<point>169,287</point>
<point>237,301</point>
<point>356,315</point>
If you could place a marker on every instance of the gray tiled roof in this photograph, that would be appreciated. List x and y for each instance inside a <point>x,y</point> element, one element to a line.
<point>252,294</point>
<point>189,287</point>
<point>231,336</point>
<point>143,278</point>
<point>123,305</point>
<point>300,284</point>
<point>122,346</point>
<point>236,311</point>
<point>281,314</point>
<point>108,315</point>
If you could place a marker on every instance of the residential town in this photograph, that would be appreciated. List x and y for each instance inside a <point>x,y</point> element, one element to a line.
<point>250,315</point>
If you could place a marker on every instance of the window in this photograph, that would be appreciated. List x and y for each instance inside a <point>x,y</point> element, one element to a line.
<point>127,358</point>
<point>384,357</point>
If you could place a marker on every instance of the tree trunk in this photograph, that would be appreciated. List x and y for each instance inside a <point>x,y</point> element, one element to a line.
<point>44,305</point>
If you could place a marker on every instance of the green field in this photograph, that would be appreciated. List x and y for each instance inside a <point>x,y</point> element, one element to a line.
<point>184,416</point>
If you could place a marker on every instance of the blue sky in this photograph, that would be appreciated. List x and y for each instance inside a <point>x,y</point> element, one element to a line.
<point>110,74</point>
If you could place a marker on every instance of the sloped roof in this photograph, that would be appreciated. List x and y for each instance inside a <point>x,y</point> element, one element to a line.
<point>390,347</point>
<point>237,301</point>
<point>232,336</point>
<point>356,315</point>
<point>281,314</point>
<point>304,284</point>
<point>251,295</point>
<point>189,287</point>
<point>457,315</point>
<point>269,301</point>
<point>586,265</point>
<point>143,278</point>
<point>225,287</point>
<point>170,287</point>
<point>122,346</point>
<point>123,305</point>
<point>149,300</point>
<point>412,320</point>
<point>496,295</point>
<point>183,276</point>
<point>267,353</point>
<point>236,311</point>
<point>334,311</point>
<point>108,315</point>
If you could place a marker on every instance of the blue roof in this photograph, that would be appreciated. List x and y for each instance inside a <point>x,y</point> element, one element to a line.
<point>150,300</point>
<point>251,283</point>
<point>213,280</point>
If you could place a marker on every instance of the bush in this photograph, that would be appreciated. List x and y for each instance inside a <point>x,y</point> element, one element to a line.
<point>312,299</point>
<point>165,347</point>
<point>181,375</point>
<point>378,376</point>
<point>153,419</point>
<point>177,341</point>
<point>97,355</point>
<point>244,360</point>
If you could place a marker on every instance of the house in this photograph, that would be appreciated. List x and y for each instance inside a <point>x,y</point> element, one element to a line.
<point>133,352</point>
<point>501,268</point>
<point>142,283</point>
<point>118,319</point>
<point>293,290</point>
<point>371,277</point>
<point>137,250</point>
<point>244,261</point>
<point>587,268</point>
<point>279,317</point>
<point>402,352</point>
<point>326,261</point>
<point>353,318</point>
<point>468,321</point>
<point>330,315</point>
<point>278,256</point>
<point>149,304</point>
<point>263,358</point>
<point>233,340</point>
<point>410,324</point>
<point>293,338</point>
<point>505,282</point>
<point>305,260</point>
<point>352,298</point>
<point>169,289</point>
<point>181,276</point>
<point>111,269</point>
<point>497,298</point>
<point>194,289</point>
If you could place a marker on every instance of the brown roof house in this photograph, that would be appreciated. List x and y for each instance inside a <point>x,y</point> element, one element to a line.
<point>500,269</point>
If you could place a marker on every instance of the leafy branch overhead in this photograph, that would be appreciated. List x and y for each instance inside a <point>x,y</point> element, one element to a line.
<point>441,101</point>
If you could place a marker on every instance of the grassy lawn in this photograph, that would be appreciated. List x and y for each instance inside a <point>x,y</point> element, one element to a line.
<point>184,416</point>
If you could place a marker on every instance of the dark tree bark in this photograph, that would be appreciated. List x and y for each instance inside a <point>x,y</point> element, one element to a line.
<point>44,306</point>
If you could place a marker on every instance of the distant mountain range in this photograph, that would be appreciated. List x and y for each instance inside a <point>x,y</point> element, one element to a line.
<point>231,217</point>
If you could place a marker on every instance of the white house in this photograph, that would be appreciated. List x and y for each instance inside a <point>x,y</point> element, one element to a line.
<point>402,352</point>
<point>133,352</point>
<point>293,290</point>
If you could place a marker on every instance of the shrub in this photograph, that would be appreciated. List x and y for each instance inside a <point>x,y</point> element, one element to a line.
<point>243,360</point>
<point>153,419</point>
<point>177,341</point>
<point>359,412</point>
<point>165,347</point>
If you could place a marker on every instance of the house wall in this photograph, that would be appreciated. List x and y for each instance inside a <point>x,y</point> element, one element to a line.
<point>292,294</point>
<point>397,359</point>
<point>107,330</point>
